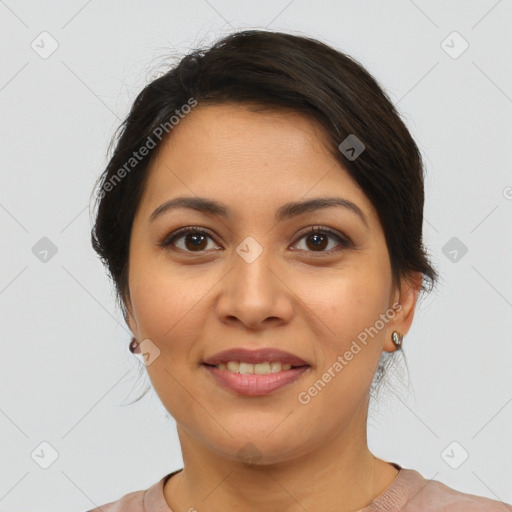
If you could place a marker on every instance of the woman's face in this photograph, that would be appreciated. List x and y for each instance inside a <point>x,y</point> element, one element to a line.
<point>258,279</point>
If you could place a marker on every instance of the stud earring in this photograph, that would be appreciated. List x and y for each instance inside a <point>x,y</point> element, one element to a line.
<point>397,338</point>
<point>134,346</point>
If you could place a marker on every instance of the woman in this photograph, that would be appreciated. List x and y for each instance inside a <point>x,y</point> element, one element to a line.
<point>261,218</point>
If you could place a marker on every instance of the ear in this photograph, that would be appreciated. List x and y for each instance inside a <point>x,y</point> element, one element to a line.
<point>129,316</point>
<point>406,296</point>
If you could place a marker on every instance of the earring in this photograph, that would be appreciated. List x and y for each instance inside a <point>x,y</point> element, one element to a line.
<point>397,338</point>
<point>134,346</point>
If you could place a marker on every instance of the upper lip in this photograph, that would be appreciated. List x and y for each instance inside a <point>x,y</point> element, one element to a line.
<point>255,356</point>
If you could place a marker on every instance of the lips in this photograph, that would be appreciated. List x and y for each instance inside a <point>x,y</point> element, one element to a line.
<point>255,357</point>
<point>253,385</point>
<point>255,372</point>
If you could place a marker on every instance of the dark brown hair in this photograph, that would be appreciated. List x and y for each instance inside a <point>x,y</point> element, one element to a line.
<point>274,70</point>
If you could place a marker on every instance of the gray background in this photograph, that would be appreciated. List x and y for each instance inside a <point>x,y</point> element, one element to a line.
<point>66,371</point>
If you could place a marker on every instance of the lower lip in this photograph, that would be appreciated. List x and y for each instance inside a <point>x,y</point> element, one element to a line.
<point>253,384</point>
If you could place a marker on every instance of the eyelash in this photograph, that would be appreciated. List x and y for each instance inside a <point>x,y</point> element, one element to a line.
<point>315,230</point>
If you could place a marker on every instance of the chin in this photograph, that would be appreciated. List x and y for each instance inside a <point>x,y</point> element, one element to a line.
<point>259,450</point>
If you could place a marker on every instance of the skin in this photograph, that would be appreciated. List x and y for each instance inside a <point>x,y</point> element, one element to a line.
<point>194,304</point>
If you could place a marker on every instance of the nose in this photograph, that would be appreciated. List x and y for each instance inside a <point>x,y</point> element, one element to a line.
<point>255,294</point>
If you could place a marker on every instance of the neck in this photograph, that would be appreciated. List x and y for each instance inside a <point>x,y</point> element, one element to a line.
<point>340,475</point>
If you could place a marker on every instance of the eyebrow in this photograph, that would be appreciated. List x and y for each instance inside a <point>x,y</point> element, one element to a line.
<point>287,211</point>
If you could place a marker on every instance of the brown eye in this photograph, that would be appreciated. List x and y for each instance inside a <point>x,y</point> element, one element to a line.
<point>318,239</point>
<point>194,240</point>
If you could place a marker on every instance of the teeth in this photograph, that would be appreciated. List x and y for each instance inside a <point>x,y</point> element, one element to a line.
<point>233,366</point>
<point>258,369</point>
<point>246,368</point>
<point>262,368</point>
<point>275,366</point>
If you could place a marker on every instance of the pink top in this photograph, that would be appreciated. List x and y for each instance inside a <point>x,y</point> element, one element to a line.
<point>409,492</point>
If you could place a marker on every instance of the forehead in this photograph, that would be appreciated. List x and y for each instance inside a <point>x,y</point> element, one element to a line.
<point>237,130</point>
<point>247,158</point>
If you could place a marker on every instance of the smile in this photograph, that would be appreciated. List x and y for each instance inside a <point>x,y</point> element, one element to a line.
<point>244,379</point>
<point>249,368</point>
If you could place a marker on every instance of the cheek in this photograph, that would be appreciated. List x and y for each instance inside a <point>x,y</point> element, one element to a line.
<point>169,307</point>
<point>350,307</point>
<point>157,297</point>
<point>349,298</point>
<point>165,315</point>
<point>349,358</point>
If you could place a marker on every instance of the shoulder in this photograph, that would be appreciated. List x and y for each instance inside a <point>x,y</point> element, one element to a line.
<point>148,500</point>
<point>452,500</point>
<point>131,502</point>
<point>432,495</point>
